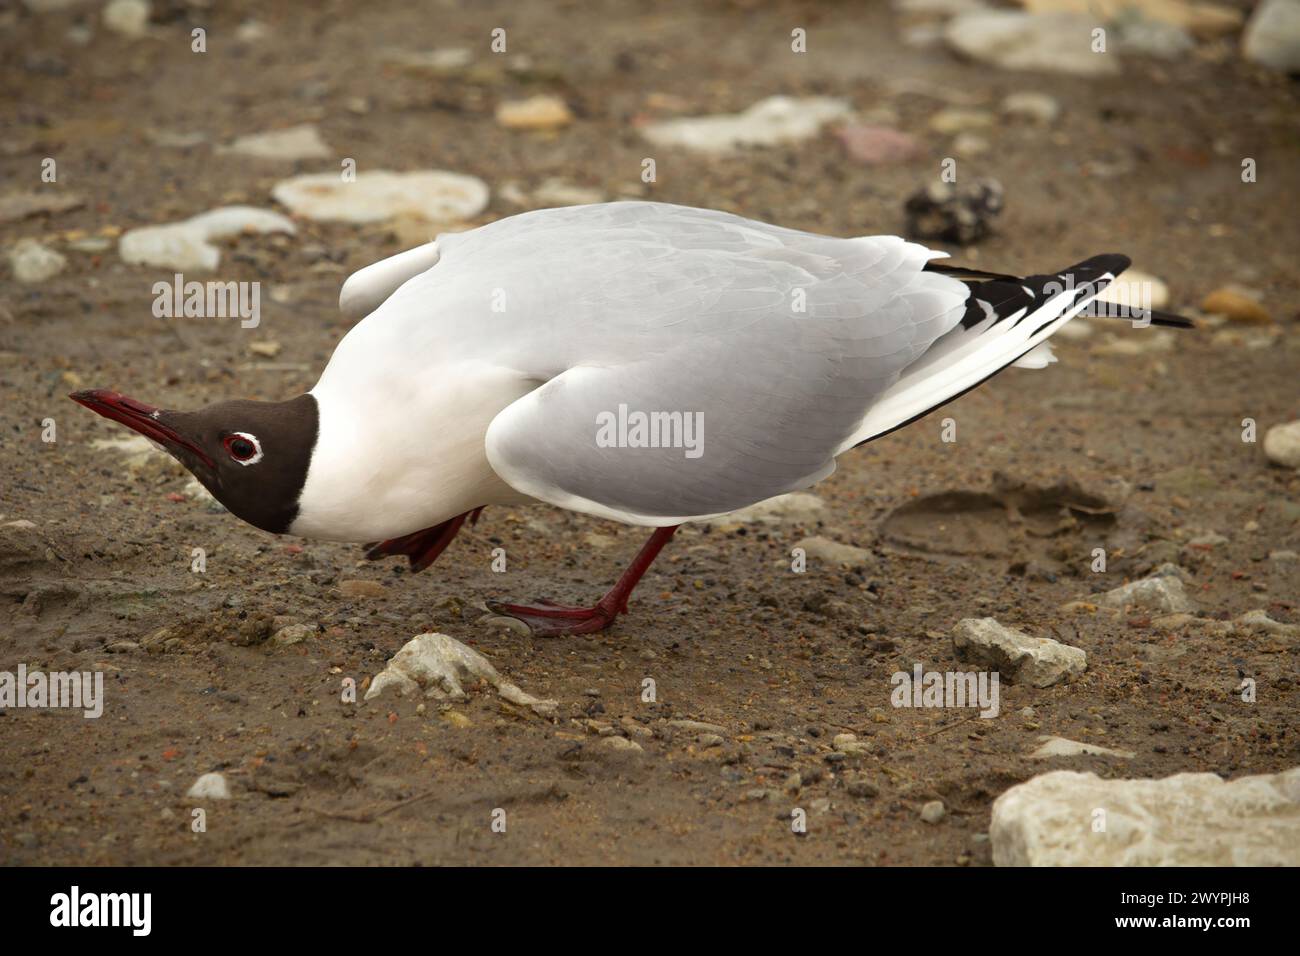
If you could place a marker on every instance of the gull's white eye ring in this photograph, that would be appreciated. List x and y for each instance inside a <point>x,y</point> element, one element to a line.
<point>243,447</point>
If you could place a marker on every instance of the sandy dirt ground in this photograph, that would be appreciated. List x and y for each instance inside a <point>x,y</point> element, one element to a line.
<point>97,574</point>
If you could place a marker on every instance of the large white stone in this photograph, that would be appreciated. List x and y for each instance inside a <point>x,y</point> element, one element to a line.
<point>1282,444</point>
<point>1272,36</point>
<point>435,196</point>
<point>188,245</point>
<point>1065,818</point>
<point>1017,657</point>
<point>1011,40</point>
<point>435,665</point>
<point>777,119</point>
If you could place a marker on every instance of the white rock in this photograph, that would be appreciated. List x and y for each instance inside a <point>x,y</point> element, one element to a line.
<point>196,491</point>
<point>251,31</point>
<point>1258,622</point>
<point>294,143</point>
<point>552,192</point>
<point>557,192</point>
<point>1017,657</point>
<point>777,119</point>
<point>957,119</point>
<point>1192,819</point>
<point>187,245</point>
<point>91,244</point>
<point>795,507</point>
<point>434,195</point>
<point>436,664</point>
<point>1036,106</point>
<point>849,744</point>
<point>970,144</point>
<point>227,221</point>
<point>137,449</point>
<point>1171,570</point>
<point>210,786</point>
<point>33,262</point>
<point>1162,593</point>
<point>1061,747</point>
<point>1272,37</point>
<point>19,204</point>
<point>1282,444</point>
<point>174,246</point>
<point>130,18</point>
<point>833,552</point>
<point>1175,622</point>
<point>535,113</point>
<point>934,811</point>
<point>1012,40</point>
<point>621,745</point>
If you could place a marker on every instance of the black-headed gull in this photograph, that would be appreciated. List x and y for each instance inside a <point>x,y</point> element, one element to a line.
<point>647,363</point>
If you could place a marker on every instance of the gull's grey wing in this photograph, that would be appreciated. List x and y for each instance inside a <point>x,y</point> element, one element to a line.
<point>759,348</point>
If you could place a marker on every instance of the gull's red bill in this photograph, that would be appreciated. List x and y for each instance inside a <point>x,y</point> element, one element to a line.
<point>139,417</point>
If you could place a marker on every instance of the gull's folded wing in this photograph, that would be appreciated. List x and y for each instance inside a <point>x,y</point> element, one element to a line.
<point>694,363</point>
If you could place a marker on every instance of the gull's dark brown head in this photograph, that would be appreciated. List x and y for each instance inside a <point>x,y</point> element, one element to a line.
<point>252,456</point>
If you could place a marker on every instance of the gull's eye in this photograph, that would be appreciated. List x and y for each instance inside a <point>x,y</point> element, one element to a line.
<point>243,447</point>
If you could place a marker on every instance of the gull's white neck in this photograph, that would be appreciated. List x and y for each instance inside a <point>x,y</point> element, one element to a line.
<point>399,453</point>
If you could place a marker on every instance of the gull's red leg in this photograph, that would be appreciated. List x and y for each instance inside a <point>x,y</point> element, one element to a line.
<point>422,547</point>
<point>551,620</point>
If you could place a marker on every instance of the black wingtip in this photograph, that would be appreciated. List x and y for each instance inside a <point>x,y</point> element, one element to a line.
<point>967,275</point>
<point>1171,321</point>
<point>1097,266</point>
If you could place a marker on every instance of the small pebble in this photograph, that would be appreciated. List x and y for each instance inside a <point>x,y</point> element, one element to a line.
<point>32,262</point>
<point>210,786</point>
